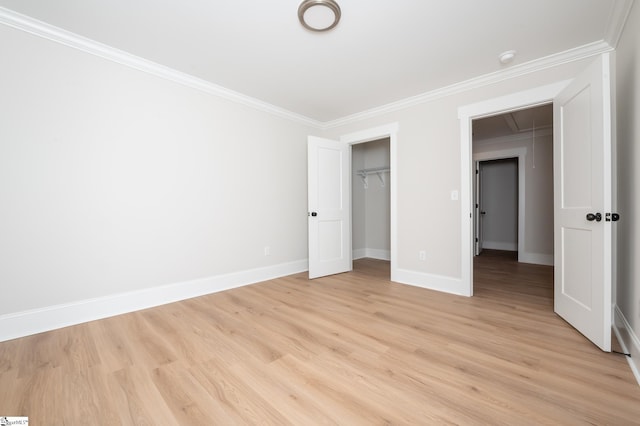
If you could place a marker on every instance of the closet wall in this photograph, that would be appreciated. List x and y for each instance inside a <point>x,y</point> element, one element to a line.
<point>371,203</point>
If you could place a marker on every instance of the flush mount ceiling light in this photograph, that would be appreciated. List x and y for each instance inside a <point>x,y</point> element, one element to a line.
<point>506,57</point>
<point>319,15</point>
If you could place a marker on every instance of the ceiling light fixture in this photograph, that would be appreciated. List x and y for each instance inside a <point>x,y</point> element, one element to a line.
<point>319,15</point>
<point>506,57</point>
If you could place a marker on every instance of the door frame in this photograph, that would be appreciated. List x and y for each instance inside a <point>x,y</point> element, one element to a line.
<point>466,114</point>
<point>368,135</point>
<point>520,154</point>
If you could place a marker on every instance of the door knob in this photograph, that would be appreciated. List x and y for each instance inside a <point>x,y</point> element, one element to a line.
<point>483,212</point>
<point>314,214</point>
<point>591,217</point>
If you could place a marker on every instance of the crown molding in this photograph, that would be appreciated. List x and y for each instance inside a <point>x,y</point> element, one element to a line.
<point>67,38</point>
<point>550,61</point>
<point>617,19</point>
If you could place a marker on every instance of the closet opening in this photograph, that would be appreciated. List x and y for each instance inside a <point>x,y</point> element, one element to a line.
<point>371,201</point>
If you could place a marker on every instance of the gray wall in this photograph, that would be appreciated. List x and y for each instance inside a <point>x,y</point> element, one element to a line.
<point>628,179</point>
<point>113,180</point>
<point>358,202</point>
<point>428,170</point>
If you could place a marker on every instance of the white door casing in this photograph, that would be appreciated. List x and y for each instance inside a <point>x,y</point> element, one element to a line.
<point>467,113</point>
<point>582,186</point>
<point>329,207</point>
<point>594,323</point>
<point>390,131</point>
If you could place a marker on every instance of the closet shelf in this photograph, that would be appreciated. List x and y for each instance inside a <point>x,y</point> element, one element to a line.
<point>364,174</point>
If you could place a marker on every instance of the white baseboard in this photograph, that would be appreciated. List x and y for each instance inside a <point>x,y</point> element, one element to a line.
<point>34,321</point>
<point>371,254</point>
<point>628,341</point>
<point>379,254</point>
<point>430,281</point>
<point>535,258</point>
<point>359,254</point>
<point>497,245</point>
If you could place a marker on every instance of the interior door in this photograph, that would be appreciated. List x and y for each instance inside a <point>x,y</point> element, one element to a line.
<point>329,214</point>
<point>582,191</point>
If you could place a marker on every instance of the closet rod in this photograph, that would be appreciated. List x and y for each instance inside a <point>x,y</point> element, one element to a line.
<point>364,174</point>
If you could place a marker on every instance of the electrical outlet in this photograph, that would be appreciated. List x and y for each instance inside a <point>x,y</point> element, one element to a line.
<point>422,255</point>
<point>267,251</point>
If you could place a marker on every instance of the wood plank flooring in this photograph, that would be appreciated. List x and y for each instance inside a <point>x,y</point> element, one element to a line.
<point>349,349</point>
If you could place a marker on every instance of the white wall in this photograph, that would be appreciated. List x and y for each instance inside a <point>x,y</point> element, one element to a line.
<point>538,203</point>
<point>428,169</point>
<point>115,181</point>
<point>628,182</point>
<point>499,197</point>
<point>371,210</point>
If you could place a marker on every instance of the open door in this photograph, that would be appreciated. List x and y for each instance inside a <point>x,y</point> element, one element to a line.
<point>582,191</point>
<point>329,166</point>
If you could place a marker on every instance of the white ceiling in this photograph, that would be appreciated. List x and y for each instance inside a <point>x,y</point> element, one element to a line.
<point>381,52</point>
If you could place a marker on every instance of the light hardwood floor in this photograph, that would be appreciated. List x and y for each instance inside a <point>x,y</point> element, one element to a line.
<point>349,349</point>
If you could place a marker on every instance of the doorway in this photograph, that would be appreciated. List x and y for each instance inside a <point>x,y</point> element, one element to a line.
<point>582,183</point>
<point>329,195</point>
<point>371,200</point>
<point>497,205</point>
<point>468,114</point>
<point>513,162</point>
<point>389,133</point>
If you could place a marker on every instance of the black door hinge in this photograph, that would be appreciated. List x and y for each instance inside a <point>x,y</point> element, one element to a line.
<point>611,217</point>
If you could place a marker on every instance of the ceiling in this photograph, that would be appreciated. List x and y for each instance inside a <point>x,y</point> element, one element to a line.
<point>380,53</point>
<point>518,122</point>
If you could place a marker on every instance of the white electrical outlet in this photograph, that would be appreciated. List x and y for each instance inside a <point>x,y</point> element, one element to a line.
<point>422,255</point>
<point>267,251</point>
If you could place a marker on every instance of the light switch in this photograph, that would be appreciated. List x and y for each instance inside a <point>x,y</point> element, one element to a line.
<point>454,195</point>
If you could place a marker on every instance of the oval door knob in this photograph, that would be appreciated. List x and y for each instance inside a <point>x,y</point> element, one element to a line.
<point>591,217</point>
<point>314,214</point>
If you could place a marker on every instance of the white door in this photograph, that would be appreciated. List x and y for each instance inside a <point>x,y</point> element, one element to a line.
<point>582,191</point>
<point>329,207</point>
